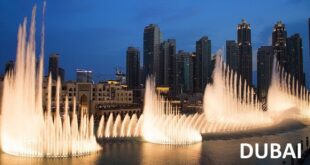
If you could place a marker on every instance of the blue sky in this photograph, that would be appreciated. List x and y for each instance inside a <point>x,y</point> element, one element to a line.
<point>95,34</point>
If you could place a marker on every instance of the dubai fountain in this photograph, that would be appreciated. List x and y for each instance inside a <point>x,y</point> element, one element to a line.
<point>229,105</point>
<point>26,130</point>
<point>160,123</point>
<point>287,97</point>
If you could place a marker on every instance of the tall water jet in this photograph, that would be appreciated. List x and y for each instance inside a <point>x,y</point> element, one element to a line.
<point>26,130</point>
<point>100,131</point>
<point>229,103</point>
<point>119,128</point>
<point>286,96</point>
<point>124,127</point>
<point>109,128</point>
<point>160,121</point>
<point>132,126</point>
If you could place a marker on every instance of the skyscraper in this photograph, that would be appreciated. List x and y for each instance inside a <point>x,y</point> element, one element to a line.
<point>184,72</point>
<point>295,58</point>
<point>264,71</point>
<point>9,66</point>
<point>132,67</point>
<point>54,69</point>
<point>151,50</point>
<point>167,62</point>
<point>61,74</point>
<point>232,54</point>
<point>203,63</point>
<point>288,51</point>
<point>53,65</point>
<point>279,36</point>
<point>83,75</point>
<point>194,77</point>
<point>245,51</point>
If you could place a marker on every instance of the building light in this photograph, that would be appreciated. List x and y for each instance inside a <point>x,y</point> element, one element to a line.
<point>112,82</point>
<point>163,89</point>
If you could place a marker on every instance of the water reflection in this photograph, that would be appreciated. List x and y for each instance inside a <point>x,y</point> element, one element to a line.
<point>15,160</point>
<point>163,154</point>
<point>211,152</point>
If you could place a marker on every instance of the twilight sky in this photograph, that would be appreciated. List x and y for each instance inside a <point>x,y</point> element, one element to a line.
<point>95,34</point>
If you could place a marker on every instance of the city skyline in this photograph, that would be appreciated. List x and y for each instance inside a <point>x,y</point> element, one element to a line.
<point>180,98</point>
<point>186,30</point>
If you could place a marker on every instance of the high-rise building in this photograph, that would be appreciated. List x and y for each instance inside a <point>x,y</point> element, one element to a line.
<point>279,36</point>
<point>53,66</point>
<point>288,51</point>
<point>83,75</point>
<point>194,77</point>
<point>167,62</point>
<point>132,67</point>
<point>203,63</point>
<point>213,63</point>
<point>232,54</point>
<point>295,58</point>
<point>265,56</point>
<point>9,66</point>
<point>120,76</point>
<point>184,72</point>
<point>61,74</point>
<point>245,51</point>
<point>151,50</point>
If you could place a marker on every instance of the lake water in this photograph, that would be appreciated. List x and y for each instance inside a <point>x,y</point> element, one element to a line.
<point>138,152</point>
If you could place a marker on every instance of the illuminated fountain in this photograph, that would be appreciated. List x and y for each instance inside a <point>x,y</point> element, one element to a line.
<point>26,130</point>
<point>163,123</point>
<point>230,104</point>
<point>287,97</point>
<point>160,123</point>
<point>128,127</point>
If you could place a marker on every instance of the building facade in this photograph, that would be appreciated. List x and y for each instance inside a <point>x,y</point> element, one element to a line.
<point>167,62</point>
<point>265,56</point>
<point>203,64</point>
<point>245,51</point>
<point>90,95</point>
<point>288,51</point>
<point>133,68</point>
<point>151,51</point>
<point>295,58</point>
<point>9,66</point>
<point>54,69</point>
<point>279,37</point>
<point>83,75</point>
<point>184,72</point>
<point>53,65</point>
<point>61,74</point>
<point>232,54</point>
